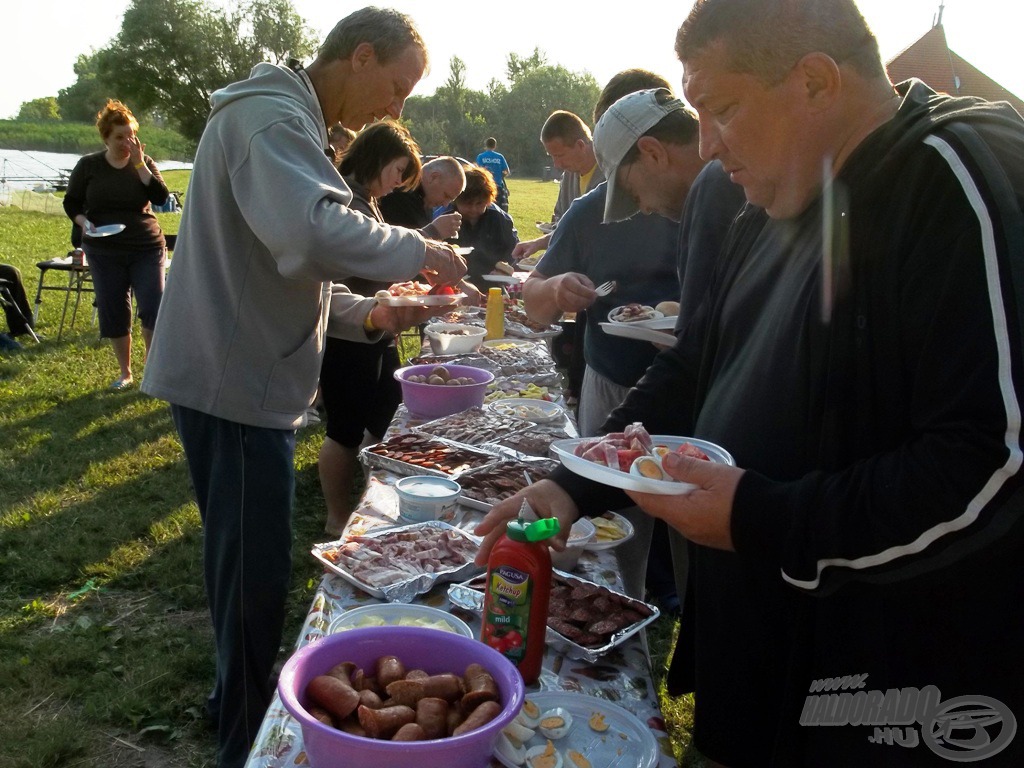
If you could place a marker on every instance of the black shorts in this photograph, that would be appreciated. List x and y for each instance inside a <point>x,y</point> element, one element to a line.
<point>358,388</point>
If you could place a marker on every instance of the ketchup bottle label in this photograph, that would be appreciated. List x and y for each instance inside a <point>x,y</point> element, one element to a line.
<point>507,615</point>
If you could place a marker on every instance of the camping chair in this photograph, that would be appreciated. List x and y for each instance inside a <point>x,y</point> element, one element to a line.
<point>7,302</point>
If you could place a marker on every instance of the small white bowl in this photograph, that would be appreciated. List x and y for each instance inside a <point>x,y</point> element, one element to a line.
<point>423,498</point>
<point>454,338</point>
<point>580,535</point>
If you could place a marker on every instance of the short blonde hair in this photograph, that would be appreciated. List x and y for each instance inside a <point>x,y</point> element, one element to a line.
<point>112,115</point>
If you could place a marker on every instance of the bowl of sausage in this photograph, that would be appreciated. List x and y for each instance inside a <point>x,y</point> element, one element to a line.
<point>402,697</point>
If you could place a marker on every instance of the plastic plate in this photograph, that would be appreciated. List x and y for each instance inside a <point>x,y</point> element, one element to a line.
<point>563,449</point>
<point>613,316</point>
<point>527,409</point>
<point>505,279</point>
<point>428,300</point>
<point>399,614</point>
<point>106,230</point>
<point>639,332</point>
<point>627,743</point>
<point>594,545</point>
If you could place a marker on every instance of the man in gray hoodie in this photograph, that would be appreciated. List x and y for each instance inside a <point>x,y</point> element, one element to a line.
<point>239,338</point>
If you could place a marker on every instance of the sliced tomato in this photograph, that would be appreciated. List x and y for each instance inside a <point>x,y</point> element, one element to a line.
<point>689,449</point>
<point>442,290</point>
<point>626,457</point>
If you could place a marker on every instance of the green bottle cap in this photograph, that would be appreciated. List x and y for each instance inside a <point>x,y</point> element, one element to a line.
<point>539,530</point>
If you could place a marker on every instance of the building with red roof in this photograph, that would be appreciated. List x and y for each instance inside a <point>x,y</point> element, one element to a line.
<point>931,60</point>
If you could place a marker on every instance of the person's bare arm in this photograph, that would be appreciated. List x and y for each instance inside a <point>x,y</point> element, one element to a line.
<point>526,248</point>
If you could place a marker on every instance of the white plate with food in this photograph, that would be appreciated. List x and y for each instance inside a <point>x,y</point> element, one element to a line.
<point>423,300</point>
<point>547,227</point>
<point>528,409</point>
<point>634,313</point>
<point>611,529</point>
<point>503,279</point>
<point>509,344</point>
<point>640,332</point>
<point>106,230</point>
<point>631,479</point>
<point>399,615</point>
<point>585,731</point>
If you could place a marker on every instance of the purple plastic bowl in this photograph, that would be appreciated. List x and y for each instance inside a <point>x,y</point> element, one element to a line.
<point>434,400</point>
<point>418,648</point>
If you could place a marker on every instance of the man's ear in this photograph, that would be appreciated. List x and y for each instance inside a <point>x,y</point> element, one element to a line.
<point>819,80</point>
<point>652,150</point>
<point>363,55</point>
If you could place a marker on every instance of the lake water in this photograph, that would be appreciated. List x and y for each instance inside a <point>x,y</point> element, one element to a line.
<point>21,169</point>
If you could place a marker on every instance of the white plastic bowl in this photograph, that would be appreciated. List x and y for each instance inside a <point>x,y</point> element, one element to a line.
<point>444,342</point>
<point>580,535</point>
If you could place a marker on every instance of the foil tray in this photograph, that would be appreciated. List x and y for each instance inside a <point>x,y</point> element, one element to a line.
<point>403,468</point>
<point>406,590</point>
<point>496,427</point>
<point>471,598</point>
<point>519,463</point>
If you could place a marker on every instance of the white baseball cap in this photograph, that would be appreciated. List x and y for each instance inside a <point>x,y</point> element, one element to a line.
<point>617,131</point>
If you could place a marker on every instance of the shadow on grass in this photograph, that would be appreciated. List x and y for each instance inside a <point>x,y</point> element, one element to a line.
<point>68,434</point>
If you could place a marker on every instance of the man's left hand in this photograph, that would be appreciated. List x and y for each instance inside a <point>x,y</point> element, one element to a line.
<point>704,515</point>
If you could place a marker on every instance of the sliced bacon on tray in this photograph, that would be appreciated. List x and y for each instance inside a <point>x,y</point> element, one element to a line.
<point>390,558</point>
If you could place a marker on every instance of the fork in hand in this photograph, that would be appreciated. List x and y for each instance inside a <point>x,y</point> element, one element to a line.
<point>605,288</point>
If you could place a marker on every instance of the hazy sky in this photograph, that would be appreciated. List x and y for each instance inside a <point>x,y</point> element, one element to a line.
<point>42,38</point>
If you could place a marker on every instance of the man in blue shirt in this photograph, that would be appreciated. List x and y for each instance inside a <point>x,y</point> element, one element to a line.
<point>496,164</point>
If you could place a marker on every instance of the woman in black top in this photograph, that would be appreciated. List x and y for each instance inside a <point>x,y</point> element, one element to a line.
<point>119,186</point>
<point>359,392</point>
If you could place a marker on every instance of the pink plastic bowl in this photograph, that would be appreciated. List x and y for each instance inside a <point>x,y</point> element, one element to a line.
<point>418,648</point>
<point>435,400</point>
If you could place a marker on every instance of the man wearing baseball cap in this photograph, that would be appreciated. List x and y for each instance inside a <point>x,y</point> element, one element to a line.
<point>647,148</point>
<point>654,130</point>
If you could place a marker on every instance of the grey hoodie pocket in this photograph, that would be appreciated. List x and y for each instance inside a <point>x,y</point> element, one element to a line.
<point>291,386</point>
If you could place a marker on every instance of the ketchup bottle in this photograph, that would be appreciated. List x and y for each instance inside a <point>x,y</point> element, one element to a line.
<point>516,598</point>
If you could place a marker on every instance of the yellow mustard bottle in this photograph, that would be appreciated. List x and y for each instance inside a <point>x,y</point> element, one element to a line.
<point>495,320</point>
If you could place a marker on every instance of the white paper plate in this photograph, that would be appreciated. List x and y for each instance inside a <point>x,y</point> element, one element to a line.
<point>627,533</point>
<point>546,227</point>
<point>563,449</point>
<point>527,409</point>
<point>654,315</point>
<point>510,343</point>
<point>464,250</point>
<point>504,279</point>
<point>628,742</point>
<point>399,614</point>
<point>105,231</point>
<point>429,300</point>
<point>639,333</point>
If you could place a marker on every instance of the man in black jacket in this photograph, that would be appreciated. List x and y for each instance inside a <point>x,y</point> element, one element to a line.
<point>857,579</point>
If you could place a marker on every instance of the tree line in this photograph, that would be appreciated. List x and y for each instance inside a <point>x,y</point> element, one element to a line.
<point>171,55</point>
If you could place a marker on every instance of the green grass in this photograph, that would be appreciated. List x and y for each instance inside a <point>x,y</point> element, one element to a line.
<point>105,645</point>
